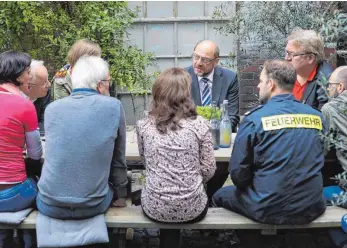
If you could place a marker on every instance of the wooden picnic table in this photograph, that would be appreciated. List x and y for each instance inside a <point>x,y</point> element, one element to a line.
<point>132,151</point>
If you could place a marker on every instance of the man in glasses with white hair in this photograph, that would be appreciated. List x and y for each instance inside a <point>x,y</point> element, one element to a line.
<point>84,170</point>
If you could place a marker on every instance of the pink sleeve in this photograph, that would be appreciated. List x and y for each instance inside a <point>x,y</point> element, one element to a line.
<point>30,117</point>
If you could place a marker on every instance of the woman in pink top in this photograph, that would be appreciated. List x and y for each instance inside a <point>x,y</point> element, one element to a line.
<point>177,150</point>
<point>18,128</point>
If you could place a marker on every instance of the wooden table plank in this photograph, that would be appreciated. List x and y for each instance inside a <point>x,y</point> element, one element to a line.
<point>132,152</point>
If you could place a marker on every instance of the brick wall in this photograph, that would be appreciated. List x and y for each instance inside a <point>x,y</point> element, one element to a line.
<point>248,81</point>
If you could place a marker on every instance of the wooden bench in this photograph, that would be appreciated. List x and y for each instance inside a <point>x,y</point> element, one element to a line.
<point>216,218</point>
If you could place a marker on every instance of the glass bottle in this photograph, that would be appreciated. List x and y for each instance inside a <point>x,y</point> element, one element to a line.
<point>225,127</point>
<point>215,126</point>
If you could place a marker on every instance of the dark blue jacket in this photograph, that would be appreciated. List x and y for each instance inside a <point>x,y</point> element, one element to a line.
<point>277,171</point>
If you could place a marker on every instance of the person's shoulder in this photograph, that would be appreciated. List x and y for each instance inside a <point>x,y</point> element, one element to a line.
<point>189,69</point>
<point>62,72</point>
<point>302,108</point>
<point>254,111</point>
<point>201,120</point>
<point>325,69</point>
<point>143,123</point>
<point>225,71</point>
<point>109,101</point>
<point>200,123</point>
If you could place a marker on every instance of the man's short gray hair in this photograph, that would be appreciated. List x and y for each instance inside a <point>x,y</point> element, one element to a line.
<point>341,76</point>
<point>310,41</point>
<point>88,72</point>
<point>33,66</point>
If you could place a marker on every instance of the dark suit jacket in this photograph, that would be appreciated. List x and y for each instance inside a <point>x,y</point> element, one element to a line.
<point>314,94</point>
<point>40,106</point>
<point>224,87</point>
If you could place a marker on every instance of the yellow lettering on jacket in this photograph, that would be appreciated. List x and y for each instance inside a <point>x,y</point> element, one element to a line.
<point>276,122</point>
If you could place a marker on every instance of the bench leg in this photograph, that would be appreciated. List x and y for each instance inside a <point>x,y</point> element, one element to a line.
<point>121,237</point>
<point>170,238</point>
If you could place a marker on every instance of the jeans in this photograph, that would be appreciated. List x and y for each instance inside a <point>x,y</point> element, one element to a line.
<point>16,198</point>
<point>66,213</point>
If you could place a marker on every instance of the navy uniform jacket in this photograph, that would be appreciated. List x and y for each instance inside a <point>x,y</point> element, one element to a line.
<point>276,162</point>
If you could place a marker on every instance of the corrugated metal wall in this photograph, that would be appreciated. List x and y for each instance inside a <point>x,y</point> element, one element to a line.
<point>170,30</point>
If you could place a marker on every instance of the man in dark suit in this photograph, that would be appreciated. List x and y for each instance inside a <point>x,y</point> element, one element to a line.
<point>213,83</point>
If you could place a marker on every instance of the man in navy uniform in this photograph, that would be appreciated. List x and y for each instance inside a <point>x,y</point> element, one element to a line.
<point>278,156</point>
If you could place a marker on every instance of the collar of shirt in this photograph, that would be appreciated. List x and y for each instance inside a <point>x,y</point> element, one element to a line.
<point>84,91</point>
<point>298,89</point>
<point>209,77</point>
<point>24,95</point>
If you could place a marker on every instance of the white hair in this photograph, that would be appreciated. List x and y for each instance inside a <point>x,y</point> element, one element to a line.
<point>33,66</point>
<point>88,72</point>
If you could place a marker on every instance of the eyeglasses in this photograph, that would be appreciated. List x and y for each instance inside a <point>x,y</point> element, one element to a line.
<point>47,83</point>
<point>331,84</point>
<point>291,55</point>
<point>202,59</point>
<point>109,81</point>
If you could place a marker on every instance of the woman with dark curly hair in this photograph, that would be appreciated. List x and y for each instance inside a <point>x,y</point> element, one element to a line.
<point>177,150</point>
<point>18,128</point>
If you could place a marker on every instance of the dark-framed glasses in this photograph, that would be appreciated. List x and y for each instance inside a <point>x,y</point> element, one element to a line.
<point>109,81</point>
<point>203,60</point>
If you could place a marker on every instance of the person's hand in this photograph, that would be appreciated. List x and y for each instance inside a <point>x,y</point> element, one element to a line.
<point>120,203</point>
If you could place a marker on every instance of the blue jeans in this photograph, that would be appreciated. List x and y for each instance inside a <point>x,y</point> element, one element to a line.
<point>63,213</point>
<point>16,198</point>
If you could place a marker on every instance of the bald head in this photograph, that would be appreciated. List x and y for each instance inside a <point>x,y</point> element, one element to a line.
<point>340,76</point>
<point>208,45</point>
<point>338,81</point>
<point>39,84</point>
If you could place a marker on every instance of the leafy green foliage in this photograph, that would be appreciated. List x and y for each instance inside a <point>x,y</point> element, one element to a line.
<point>267,24</point>
<point>207,112</point>
<point>46,30</point>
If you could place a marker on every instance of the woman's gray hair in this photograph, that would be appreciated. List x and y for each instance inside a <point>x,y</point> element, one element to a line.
<point>88,72</point>
<point>310,41</point>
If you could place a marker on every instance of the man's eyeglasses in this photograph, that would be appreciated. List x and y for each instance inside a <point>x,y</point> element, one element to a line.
<point>47,83</point>
<point>291,55</point>
<point>331,84</point>
<point>203,59</point>
<point>108,81</point>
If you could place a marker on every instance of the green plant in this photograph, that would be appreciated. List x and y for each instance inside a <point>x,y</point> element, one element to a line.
<point>207,113</point>
<point>46,30</point>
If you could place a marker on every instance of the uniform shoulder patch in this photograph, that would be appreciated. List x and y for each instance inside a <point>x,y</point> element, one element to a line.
<point>253,110</point>
<point>62,72</point>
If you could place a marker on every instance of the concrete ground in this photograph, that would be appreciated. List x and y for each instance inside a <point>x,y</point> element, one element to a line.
<point>317,238</point>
